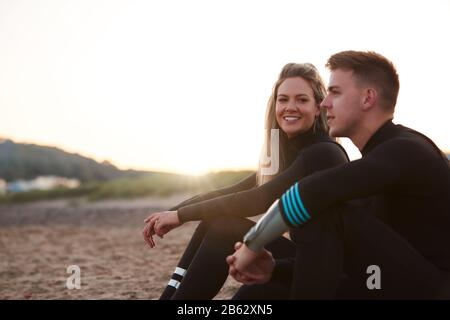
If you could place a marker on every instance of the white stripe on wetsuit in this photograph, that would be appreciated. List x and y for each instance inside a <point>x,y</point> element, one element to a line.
<point>180,271</point>
<point>174,283</point>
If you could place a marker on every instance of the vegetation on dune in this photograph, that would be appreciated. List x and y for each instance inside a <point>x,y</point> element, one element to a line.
<point>152,184</point>
<point>98,180</point>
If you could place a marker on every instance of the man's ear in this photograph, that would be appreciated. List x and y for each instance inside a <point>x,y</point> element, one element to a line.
<point>370,98</point>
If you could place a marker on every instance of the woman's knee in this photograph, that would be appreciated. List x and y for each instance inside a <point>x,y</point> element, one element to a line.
<point>202,227</point>
<point>229,226</point>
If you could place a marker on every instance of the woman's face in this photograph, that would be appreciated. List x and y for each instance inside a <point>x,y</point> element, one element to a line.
<point>295,106</point>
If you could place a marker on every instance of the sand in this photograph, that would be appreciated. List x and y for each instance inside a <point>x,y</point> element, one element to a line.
<point>39,241</point>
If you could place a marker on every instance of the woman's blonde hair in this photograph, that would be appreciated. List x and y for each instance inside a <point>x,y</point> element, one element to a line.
<point>309,73</point>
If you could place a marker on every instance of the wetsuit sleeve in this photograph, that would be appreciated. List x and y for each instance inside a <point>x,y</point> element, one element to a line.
<point>396,165</point>
<point>257,200</point>
<point>388,167</point>
<point>385,168</point>
<point>246,183</point>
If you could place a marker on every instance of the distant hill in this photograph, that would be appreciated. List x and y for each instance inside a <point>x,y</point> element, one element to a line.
<point>100,180</point>
<point>27,161</point>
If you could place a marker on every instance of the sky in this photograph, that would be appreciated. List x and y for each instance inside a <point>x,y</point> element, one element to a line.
<point>183,86</point>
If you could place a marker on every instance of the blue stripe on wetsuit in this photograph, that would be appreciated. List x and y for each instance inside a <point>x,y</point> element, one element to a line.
<point>298,211</point>
<point>297,193</point>
<point>288,211</point>
<point>294,210</point>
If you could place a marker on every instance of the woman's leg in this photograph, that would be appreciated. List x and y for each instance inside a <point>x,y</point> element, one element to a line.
<point>185,260</point>
<point>208,270</point>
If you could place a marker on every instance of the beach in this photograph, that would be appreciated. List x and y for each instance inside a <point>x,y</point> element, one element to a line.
<point>39,241</point>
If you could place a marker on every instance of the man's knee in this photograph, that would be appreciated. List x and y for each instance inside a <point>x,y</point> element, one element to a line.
<point>327,224</point>
<point>356,217</point>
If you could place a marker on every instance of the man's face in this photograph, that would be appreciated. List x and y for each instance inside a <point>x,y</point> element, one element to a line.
<point>343,104</point>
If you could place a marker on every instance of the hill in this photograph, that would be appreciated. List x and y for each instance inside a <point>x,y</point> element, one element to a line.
<point>99,180</point>
<point>27,161</point>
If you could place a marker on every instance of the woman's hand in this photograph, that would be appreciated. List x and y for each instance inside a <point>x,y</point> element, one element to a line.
<point>159,223</point>
<point>249,267</point>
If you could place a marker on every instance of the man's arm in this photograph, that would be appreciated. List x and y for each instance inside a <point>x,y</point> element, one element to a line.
<point>385,168</point>
<point>268,228</point>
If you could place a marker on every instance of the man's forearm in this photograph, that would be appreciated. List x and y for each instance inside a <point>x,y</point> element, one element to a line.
<point>283,214</point>
<point>268,228</point>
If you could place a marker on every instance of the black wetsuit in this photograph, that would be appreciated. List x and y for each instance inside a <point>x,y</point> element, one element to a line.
<point>390,209</point>
<point>222,213</point>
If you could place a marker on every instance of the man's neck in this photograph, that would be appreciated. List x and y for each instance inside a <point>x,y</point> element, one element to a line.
<point>367,130</point>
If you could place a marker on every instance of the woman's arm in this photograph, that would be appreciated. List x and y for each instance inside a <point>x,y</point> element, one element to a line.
<point>244,184</point>
<point>257,200</point>
<point>160,223</point>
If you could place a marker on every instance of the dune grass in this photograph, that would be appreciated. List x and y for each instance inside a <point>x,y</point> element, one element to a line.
<point>158,184</point>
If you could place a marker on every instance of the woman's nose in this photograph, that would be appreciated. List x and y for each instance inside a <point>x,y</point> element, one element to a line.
<point>291,106</point>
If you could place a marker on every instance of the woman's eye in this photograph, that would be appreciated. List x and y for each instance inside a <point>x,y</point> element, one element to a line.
<point>282,100</point>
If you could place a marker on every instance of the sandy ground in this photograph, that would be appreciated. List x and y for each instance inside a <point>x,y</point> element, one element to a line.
<point>38,241</point>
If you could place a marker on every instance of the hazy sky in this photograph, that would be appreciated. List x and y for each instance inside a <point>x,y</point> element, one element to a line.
<point>183,85</point>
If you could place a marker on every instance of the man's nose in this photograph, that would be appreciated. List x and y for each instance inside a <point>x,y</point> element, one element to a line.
<point>325,104</point>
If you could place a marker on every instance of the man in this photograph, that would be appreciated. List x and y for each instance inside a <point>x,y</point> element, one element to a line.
<point>386,215</point>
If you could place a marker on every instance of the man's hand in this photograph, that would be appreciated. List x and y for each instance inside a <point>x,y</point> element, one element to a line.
<point>249,267</point>
<point>159,223</point>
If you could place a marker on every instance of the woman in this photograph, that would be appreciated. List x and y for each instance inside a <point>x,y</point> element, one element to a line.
<point>299,146</point>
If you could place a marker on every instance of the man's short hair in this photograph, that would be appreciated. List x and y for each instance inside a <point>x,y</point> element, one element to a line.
<point>370,68</point>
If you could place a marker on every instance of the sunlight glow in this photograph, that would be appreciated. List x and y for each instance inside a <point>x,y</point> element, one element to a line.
<point>183,85</point>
